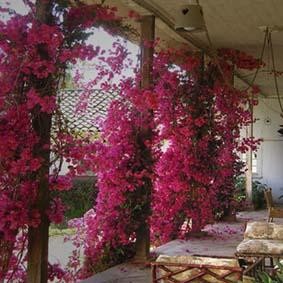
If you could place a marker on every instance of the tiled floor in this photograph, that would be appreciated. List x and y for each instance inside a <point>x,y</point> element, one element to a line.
<point>221,240</point>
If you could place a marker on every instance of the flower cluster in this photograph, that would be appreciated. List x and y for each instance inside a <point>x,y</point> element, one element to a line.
<point>167,154</point>
<point>189,121</point>
<point>239,58</point>
<point>33,58</point>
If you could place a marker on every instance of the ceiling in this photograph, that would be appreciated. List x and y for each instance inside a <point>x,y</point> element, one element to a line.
<point>230,23</point>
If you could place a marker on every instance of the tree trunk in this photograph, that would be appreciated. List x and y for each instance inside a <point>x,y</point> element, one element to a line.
<point>37,270</point>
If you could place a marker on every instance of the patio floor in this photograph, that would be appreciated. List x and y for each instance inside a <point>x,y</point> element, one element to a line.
<point>221,240</point>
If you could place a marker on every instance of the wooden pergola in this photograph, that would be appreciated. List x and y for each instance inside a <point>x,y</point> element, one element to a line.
<point>229,24</point>
<point>158,21</point>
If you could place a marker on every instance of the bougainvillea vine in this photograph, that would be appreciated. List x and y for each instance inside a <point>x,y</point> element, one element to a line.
<point>181,134</point>
<point>36,49</point>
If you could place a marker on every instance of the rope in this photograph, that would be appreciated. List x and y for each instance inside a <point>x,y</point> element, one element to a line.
<point>261,57</point>
<point>214,53</point>
<point>268,39</point>
<point>274,72</point>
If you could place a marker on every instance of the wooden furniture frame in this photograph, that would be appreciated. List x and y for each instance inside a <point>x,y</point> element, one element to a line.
<point>203,270</point>
<point>258,262</point>
<point>273,211</point>
<point>253,269</point>
<point>250,257</point>
<point>255,245</point>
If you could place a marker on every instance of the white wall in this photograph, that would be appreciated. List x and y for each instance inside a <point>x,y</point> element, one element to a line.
<point>65,170</point>
<point>270,153</point>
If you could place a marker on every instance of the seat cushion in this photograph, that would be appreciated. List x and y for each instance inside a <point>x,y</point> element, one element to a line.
<point>264,230</point>
<point>257,230</point>
<point>196,260</point>
<point>260,246</point>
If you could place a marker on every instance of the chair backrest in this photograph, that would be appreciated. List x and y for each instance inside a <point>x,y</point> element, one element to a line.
<point>268,198</point>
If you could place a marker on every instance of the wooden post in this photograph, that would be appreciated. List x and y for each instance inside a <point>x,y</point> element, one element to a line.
<point>147,51</point>
<point>249,172</point>
<point>37,269</point>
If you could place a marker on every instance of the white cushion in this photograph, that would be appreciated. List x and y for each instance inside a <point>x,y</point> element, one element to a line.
<point>230,262</point>
<point>260,246</point>
<point>264,230</point>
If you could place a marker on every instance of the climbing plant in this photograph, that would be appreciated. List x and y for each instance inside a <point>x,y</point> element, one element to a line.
<point>188,120</point>
<point>35,51</point>
<point>178,136</point>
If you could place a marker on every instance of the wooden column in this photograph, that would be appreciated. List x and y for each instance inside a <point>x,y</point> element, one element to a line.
<point>147,51</point>
<point>37,269</point>
<point>249,172</point>
<point>147,36</point>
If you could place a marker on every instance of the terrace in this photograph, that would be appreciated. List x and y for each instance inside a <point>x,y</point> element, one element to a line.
<point>187,140</point>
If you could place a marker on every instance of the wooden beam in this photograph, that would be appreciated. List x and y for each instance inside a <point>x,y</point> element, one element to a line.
<point>159,13</point>
<point>147,51</point>
<point>249,172</point>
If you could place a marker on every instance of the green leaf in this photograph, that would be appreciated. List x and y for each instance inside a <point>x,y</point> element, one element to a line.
<point>265,278</point>
<point>280,277</point>
<point>280,265</point>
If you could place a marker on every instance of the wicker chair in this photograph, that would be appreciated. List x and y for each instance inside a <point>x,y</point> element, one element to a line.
<point>273,211</point>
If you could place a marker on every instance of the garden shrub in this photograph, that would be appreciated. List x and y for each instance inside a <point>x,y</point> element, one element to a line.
<point>275,277</point>
<point>258,195</point>
<point>257,192</point>
<point>110,256</point>
<point>79,199</point>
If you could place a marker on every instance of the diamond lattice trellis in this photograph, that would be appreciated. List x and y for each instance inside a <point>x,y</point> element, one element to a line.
<point>95,103</point>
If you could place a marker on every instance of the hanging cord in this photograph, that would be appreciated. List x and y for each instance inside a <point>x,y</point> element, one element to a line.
<point>215,57</point>
<point>274,72</point>
<point>251,105</point>
<point>214,53</point>
<point>260,58</point>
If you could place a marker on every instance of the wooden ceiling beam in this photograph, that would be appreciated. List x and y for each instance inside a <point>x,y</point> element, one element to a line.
<point>161,14</point>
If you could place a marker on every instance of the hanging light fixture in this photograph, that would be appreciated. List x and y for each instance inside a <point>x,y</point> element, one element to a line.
<point>190,18</point>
